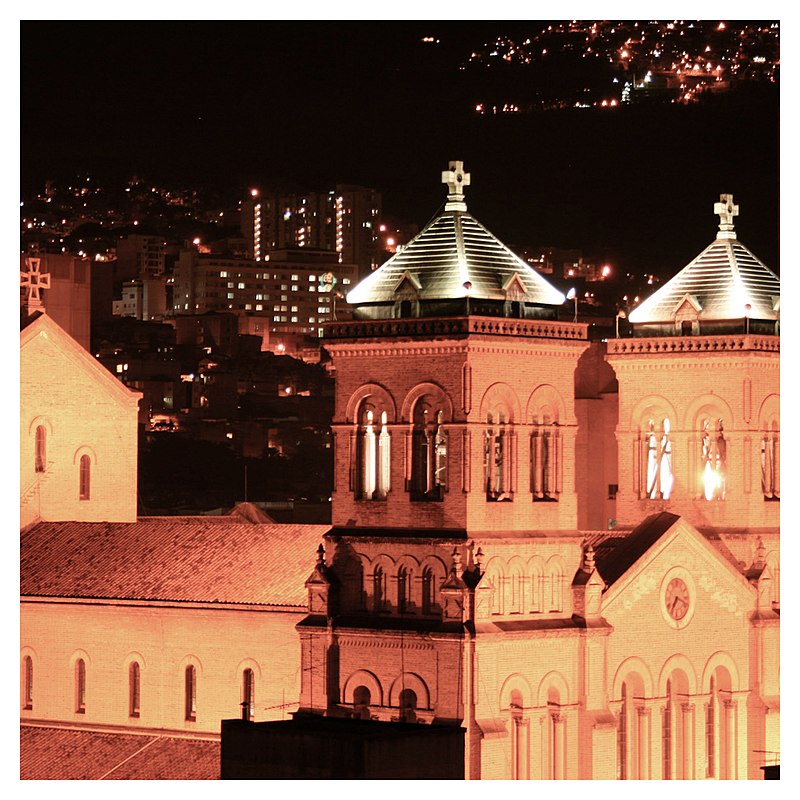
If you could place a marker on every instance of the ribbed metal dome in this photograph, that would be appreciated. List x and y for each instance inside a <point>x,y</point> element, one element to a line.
<point>725,282</point>
<point>454,256</point>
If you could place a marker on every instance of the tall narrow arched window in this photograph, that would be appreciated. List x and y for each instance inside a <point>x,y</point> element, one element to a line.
<point>537,588</point>
<point>519,737</point>
<point>428,453</point>
<point>770,463</point>
<point>556,588</point>
<point>248,694</point>
<point>658,460</point>
<point>427,591</point>
<point>134,689</point>
<point>80,686</point>
<point>714,453</point>
<point>27,683</point>
<point>403,590</point>
<point>712,711</point>
<point>622,736</point>
<point>190,693</point>
<point>378,589</point>
<point>408,705</point>
<point>85,477</point>
<point>545,454</point>
<point>40,457</point>
<point>361,702</point>
<point>666,734</point>
<point>497,457</point>
<point>373,455</point>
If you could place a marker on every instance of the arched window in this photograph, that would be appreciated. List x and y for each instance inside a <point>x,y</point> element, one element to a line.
<point>427,591</point>
<point>712,710</point>
<point>378,589</point>
<point>497,457</point>
<point>622,736</point>
<point>658,460</point>
<point>403,590</point>
<point>134,689</point>
<point>373,455</point>
<point>556,587</point>
<point>516,586</point>
<point>537,588</point>
<point>248,694</point>
<point>666,734</point>
<point>408,705</point>
<point>80,686</point>
<point>714,452</point>
<point>40,449</point>
<point>190,693</point>
<point>85,477</point>
<point>545,454</point>
<point>361,702</point>
<point>519,737</point>
<point>770,463</point>
<point>556,739</point>
<point>428,452</point>
<point>27,685</point>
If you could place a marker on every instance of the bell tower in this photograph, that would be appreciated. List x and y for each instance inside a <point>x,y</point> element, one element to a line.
<point>699,389</point>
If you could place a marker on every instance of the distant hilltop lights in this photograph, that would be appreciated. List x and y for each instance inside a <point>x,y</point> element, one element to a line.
<point>664,61</point>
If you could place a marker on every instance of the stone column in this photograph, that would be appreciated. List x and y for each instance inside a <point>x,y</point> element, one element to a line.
<point>730,736</point>
<point>558,746</point>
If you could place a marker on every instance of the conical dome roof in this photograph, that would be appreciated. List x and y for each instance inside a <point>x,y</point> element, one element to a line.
<point>725,282</point>
<point>454,256</point>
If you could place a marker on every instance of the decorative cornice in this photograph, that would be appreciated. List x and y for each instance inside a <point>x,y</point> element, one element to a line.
<point>454,326</point>
<point>671,345</point>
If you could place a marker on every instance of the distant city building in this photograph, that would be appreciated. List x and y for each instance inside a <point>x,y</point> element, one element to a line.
<point>141,256</point>
<point>143,298</point>
<point>344,221</point>
<point>294,290</point>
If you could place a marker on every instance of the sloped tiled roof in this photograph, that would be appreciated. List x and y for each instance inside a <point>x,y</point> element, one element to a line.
<point>62,754</point>
<point>724,279</point>
<point>186,559</point>
<point>453,249</point>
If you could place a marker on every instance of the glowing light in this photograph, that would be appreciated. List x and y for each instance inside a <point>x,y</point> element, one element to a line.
<point>254,193</point>
<point>606,271</point>
<point>390,242</point>
<point>196,241</point>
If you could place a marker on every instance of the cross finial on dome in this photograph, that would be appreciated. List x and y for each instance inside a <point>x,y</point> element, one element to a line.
<point>34,280</point>
<point>726,211</point>
<point>456,179</point>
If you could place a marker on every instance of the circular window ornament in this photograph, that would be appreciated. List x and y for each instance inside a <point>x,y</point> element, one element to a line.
<point>678,597</point>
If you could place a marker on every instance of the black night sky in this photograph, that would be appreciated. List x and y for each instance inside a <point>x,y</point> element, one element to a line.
<point>306,105</point>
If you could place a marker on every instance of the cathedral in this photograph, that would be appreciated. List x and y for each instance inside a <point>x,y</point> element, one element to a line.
<point>569,548</point>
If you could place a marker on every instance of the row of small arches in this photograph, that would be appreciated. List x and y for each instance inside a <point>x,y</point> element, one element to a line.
<point>702,409</point>
<point>364,693</point>
<point>499,403</point>
<point>518,587</point>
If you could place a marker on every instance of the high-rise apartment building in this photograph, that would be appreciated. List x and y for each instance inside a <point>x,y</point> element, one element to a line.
<point>344,221</point>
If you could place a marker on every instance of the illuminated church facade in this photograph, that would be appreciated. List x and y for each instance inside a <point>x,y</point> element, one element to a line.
<point>570,548</point>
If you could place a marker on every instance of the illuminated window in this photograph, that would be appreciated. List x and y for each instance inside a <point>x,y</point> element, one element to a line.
<point>41,449</point>
<point>80,686</point>
<point>190,694</point>
<point>497,458</point>
<point>85,477</point>
<point>134,689</point>
<point>713,448</point>
<point>372,455</point>
<point>361,702</point>
<point>545,458</point>
<point>428,452</point>
<point>240,286</point>
<point>295,277</point>
<point>27,686</point>
<point>248,694</point>
<point>223,274</point>
<point>658,461</point>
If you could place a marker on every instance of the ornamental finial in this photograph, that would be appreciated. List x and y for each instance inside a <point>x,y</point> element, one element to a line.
<point>456,179</point>
<point>588,559</point>
<point>726,211</point>
<point>320,556</point>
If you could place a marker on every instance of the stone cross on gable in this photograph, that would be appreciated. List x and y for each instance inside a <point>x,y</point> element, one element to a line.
<point>34,280</point>
<point>456,179</point>
<point>726,211</point>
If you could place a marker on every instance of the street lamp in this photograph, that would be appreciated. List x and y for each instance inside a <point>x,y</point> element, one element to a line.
<point>573,295</point>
